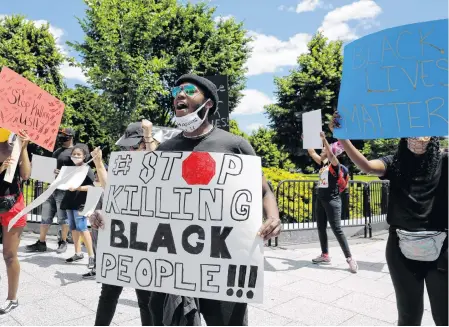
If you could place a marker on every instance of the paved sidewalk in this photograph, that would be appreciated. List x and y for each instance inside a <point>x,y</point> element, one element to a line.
<point>296,291</point>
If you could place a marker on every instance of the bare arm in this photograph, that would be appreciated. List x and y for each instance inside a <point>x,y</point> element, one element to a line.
<point>373,167</point>
<point>102,173</point>
<point>315,156</point>
<point>150,143</point>
<point>272,225</point>
<point>330,155</point>
<point>24,160</point>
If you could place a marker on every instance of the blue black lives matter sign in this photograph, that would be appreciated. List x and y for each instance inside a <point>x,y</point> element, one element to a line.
<point>183,223</point>
<point>395,83</point>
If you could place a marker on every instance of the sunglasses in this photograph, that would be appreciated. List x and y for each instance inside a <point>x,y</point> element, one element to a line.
<point>131,148</point>
<point>189,90</point>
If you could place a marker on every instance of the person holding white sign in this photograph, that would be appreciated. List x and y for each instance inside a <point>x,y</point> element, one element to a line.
<point>195,101</point>
<point>11,203</point>
<point>328,204</point>
<point>73,202</point>
<point>137,137</point>
<point>417,246</point>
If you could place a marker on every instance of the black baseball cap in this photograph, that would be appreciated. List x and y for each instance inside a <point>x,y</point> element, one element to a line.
<point>67,131</point>
<point>133,135</point>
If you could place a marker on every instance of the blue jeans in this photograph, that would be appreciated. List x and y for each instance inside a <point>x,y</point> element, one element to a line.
<point>76,221</point>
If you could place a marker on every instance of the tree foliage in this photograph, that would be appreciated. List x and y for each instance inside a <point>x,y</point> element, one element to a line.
<point>134,50</point>
<point>313,85</point>
<point>235,129</point>
<point>271,154</point>
<point>90,115</point>
<point>31,51</point>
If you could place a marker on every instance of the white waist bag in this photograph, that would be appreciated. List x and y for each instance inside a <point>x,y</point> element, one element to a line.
<point>421,246</point>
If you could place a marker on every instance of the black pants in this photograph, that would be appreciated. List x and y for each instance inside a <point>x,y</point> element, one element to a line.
<point>330,210</point>
<point>215,313</point>
<point>108,303</point>
<point>408,278</point>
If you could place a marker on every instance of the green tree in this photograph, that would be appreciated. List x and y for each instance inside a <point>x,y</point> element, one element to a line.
<point>374,149</point>
<point>235,129</point>
<point>134,50</point>
<point>31,51</point>
<point>313,85</point>
<point>91,116</point>
<point>271,154</point>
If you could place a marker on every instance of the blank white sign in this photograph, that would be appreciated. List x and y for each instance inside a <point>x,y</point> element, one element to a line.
<point>312,125</point>
<point>43,168</point>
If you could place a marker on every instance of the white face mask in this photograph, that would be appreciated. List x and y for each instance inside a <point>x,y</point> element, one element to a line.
<point>77,160</point>
<point>190,122</point>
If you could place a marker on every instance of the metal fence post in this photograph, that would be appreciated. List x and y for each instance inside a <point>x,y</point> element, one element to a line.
<point>367,209</point>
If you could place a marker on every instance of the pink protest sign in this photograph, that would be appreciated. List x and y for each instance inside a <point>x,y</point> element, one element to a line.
<point>24,105</point>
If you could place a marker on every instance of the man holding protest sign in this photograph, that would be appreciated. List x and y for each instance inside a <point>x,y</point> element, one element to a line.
<point>195,101</point>
<point>52,205</point>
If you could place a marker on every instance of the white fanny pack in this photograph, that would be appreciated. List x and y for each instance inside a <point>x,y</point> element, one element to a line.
<point>421,246</point>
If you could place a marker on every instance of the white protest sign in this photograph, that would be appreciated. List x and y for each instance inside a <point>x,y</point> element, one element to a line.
<point>92,198</point>
<point>311,127</point>
<point>15,156</point>
<point>43,168</point>
<point>183,223</point>
<point>77,176</point>
<point>48,192</point>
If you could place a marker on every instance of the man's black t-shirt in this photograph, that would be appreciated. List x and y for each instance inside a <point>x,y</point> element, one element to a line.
<point>217,140</point>
<point>423,205</point>
<point>75,200</point>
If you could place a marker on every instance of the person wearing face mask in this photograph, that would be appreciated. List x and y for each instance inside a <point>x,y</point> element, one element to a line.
<point>195,101</point>
<point>417,246</point>
<point>73,202</point>
<point>11,203</point>
<point>328,205</point>
<point>52,206</point>
<point>138,137</point>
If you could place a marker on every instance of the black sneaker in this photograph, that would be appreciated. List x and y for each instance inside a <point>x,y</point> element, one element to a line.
<point>8,306</point>
<point>62,247</point>
<point>90,275</point>
<point>37,247</point>
<point>75,257</point>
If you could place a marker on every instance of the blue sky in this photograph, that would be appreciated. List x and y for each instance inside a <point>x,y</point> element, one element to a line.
<point>280,28</point>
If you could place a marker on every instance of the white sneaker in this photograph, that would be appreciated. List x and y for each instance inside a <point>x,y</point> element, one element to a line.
<point>353,267</point>
<point>8,306</point>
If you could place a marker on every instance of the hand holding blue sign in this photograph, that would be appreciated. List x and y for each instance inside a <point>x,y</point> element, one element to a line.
<point>395,83</point>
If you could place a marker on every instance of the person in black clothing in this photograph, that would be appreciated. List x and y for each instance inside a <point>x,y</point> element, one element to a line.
<point>73,202</point>
<point>52,206</point>
<point>417,248</point>
<point>328,204</point>
<point>138,137</point>
<point>11,203</point>
<point>195,101</point>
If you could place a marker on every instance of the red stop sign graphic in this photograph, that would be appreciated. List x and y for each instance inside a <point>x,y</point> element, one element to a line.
<point>198,168</point>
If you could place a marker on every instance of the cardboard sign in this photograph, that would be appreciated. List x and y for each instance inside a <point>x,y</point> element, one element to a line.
<point>77,176</point>
<point>221,117</point>
<point>183,223</point>
<point>395,83</point>
<point>312,125</point>
<point>24,105</point>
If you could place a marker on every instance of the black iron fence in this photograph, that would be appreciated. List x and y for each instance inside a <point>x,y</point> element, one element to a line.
<point>362,204</point>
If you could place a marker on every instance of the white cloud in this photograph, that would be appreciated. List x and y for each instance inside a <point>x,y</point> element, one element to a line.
<point>307,5</point>
<point>222,18</point>
<point>286,8</point>
<point>269,53</point>
<point>74,73</point>
<point>254,127</point>
<point>335,24</point>
<point>253,102</point>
